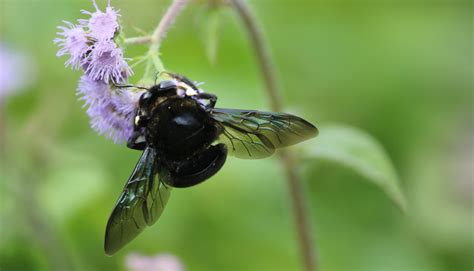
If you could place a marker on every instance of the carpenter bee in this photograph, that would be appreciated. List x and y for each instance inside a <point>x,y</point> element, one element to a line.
<point>185,140</point>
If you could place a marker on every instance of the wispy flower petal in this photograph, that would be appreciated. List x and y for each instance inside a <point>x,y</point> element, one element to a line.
<point>73,42</point>
<point>106,63</point>
<point>102,25</point>
<point>111,112</point>
<point>91,46</point>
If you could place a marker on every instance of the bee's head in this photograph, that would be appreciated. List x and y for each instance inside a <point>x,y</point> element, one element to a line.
<point>165,88</point>
<point>176,87</point>
<point>162,90</point>
<point>151,98</point>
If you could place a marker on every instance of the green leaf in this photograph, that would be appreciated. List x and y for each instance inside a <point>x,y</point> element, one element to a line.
<point>360,152</point>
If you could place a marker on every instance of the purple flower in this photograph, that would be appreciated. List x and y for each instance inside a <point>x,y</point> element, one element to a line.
<point>91,46</point>
<point>106,63</point>
<point>102,26</point>
<point>160,262</point>
<point>73,42</point>
<point>111,111</point>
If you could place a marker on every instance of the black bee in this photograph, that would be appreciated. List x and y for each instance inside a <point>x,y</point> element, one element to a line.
<point>185,140</point>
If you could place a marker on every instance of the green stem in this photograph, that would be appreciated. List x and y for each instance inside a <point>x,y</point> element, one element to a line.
<point>163,26</point>
<point>166,22</point>
<point>262,53</point>
<point>138,40</point>
<point>288,160</point>
<point>158,35</point>
<point>155,58</point>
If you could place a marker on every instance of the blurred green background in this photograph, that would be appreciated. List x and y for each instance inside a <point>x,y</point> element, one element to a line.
<point>400,70</point>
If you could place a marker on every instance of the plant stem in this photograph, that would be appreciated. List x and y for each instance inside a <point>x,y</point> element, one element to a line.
<point>305,237</point>
<point>138,40</point>
<point>273,90</point>
<point>163,26</point>
<point>262,53</point>
<point>159,34</point>
<point>166,21</point>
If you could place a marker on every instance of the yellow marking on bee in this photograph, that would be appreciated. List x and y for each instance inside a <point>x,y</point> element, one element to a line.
<point>137,120</point>
<point>190,92</point>
<point>188,89</point>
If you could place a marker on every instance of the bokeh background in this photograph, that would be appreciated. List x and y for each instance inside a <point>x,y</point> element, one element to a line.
<point>399,70</point>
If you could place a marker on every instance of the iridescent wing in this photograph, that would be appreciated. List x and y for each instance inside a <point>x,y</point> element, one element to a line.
<point>140,204</point>
<point>253,134</point>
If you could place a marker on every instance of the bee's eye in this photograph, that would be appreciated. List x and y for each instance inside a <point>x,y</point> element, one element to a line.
<point>144,99</point>
<point>167,85</point>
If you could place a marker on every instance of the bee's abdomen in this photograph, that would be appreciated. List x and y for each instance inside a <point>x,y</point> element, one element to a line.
<point>194,169</point>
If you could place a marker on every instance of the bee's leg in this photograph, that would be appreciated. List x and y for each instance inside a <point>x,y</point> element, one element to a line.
<point>208,96</point>
<point>136,141</point>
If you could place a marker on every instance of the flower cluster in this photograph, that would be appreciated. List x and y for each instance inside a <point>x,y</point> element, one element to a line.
<point>90,45</point>
<point>111,112</point>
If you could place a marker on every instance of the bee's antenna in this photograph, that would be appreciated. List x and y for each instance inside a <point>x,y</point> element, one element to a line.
<point>157,75</point>
<point>130,86</point>
<point>173,75</point>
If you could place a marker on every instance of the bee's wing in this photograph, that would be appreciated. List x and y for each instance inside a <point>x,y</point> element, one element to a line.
<point>140,204</point>
<point>253,134</point>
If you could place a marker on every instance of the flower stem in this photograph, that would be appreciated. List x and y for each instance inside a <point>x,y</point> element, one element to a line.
<point>273,90</point>
<point>163,26</point>
<point>168,19</point>
<point>262,53</point>
<point>158,35</point>
<point>305,237</point>
<point>138,40</point>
